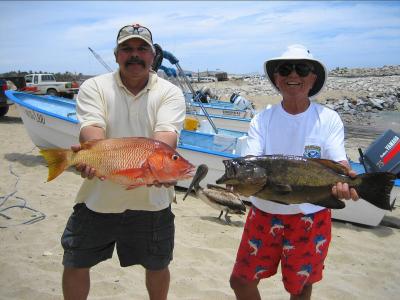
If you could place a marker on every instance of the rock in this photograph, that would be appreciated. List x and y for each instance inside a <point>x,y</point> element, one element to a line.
<point>376,103</point>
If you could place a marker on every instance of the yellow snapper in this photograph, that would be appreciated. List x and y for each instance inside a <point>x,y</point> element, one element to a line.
<point>131,162</point>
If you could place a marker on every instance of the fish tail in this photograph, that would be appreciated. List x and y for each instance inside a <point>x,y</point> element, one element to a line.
<point>57,159</point>
<point>375,188</point>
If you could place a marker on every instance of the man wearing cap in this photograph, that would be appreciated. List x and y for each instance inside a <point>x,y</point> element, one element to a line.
<point>298,235</point>
<point>133,101</point>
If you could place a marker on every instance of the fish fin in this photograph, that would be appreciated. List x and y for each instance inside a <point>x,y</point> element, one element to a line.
<point>154,161</point>
<point>333,165</point>
<point>248,190</point>
<point>57,159</point>
<point>131,173</point>
<point>331,202</point>
<point>281,188</point>
<point>135,185</point>
<point>216,187</point>
<point>375,188</point>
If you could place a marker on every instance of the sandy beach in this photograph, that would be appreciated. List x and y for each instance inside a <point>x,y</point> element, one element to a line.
<point>362,262</point>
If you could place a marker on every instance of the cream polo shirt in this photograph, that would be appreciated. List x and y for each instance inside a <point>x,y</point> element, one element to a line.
<point>105,102</point>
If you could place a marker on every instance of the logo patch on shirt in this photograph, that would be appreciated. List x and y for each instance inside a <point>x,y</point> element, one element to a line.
<point>312,151</point>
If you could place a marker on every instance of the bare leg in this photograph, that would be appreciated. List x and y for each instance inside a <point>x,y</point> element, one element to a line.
<point>245,290</point>
<point>157,283</point>
<point>76,283</point>
<point>305,293</point>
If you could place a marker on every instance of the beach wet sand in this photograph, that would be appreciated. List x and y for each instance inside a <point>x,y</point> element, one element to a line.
<point>362,261</point>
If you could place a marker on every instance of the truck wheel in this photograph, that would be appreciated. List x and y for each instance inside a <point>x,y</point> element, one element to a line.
<point>3,110</point>
<point>52,92</point>
<point>69,96</point>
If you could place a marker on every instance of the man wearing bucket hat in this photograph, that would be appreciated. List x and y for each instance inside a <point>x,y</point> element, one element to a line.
<point>297,236</point>
<point>132,101</point>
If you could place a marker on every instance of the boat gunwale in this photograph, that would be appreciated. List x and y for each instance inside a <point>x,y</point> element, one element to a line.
<point>11,95</point>
<point>209,105</point>
<point>220,117</point>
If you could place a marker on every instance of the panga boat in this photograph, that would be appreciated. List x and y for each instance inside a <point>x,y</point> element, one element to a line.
<point>51,123</point>
<point>229,119</point>
<point>361,211</point>
<point>234,114</point>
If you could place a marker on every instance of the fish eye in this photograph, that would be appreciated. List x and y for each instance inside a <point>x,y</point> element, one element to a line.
<point>175,157</point>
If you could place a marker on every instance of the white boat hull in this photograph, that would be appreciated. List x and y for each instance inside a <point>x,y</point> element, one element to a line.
<point>223,112</point>
<point>362,212</point>
<point>226,123</point>
<point>215,166</point>
<point>225,109</point>
<point>48,132</point>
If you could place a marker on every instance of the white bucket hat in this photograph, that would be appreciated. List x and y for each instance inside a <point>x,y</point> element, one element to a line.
<point>293,53</point>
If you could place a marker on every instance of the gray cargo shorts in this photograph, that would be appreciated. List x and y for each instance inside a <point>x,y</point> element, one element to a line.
<point>141,237</point>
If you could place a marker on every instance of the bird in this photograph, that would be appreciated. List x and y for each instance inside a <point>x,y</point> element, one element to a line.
<point>216,196</point>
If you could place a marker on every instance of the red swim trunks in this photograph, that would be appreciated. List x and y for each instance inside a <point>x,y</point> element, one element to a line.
<point>300,242</point>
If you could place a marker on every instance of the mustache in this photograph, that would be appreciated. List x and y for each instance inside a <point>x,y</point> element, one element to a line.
<point>135,60</point>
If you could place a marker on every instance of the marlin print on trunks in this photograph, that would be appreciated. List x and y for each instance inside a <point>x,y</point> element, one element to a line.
<point>305,271</point>
<point>259,271</point>
<point>276,225</point>
<point>255,244</point>
<point>308,221</point>
<point>319,241</point>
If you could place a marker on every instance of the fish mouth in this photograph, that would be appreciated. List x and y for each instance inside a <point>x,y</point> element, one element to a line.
<point>230,172</point>
<point>242,171</point>
<point>189,172</point>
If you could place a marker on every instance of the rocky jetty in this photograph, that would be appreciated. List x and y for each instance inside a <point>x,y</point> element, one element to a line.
<point>365,72</point>
<point>355,94</point>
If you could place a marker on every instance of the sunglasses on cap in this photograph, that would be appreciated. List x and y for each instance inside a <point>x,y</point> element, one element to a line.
<point>302,69</point>
<point>135,30</point>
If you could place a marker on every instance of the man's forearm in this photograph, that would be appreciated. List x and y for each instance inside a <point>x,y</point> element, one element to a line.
<point>91,133</point>
<point>168,137</point>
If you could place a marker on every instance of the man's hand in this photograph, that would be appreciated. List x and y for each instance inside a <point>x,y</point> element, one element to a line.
<point>85,170</point>
<point>342,190</point>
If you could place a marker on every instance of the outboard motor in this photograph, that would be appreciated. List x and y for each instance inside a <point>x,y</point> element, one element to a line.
<point>158,57</point>
<point>200,96</point>
<point>233,97</point>
<point>239,102</point>
<point>207,91</point>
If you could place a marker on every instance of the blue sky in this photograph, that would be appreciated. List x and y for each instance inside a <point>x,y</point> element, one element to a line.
<point>236,37</point>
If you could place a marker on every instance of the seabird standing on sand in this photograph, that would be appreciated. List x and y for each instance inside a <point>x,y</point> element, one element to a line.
<point>216,196</point>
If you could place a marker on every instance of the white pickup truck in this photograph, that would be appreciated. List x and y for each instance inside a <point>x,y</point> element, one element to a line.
<point>41,84</point>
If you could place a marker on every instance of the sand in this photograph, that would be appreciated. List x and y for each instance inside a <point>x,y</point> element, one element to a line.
<point>363,262</point>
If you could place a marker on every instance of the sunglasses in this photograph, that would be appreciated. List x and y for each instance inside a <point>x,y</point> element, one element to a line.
<point>301,69</point>
<point>130,29</point>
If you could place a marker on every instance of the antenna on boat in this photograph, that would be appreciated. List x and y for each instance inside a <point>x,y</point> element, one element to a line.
<point>98,57</point>
<point>196,96</point>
